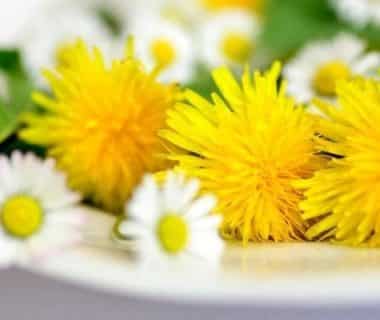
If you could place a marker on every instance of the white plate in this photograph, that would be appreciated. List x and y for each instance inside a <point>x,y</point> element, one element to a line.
<point>283,274</point>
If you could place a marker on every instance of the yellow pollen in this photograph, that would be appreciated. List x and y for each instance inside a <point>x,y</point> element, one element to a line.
<point>173,234</point>
<point>21,216</point>
<point>163,52</point>
<point>255,5</point>
<point>237,47</point>
<point>327,76</point>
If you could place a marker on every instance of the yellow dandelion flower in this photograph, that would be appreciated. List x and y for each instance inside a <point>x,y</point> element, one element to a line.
<point>102,122</point>
<point>247,148</point>
<point>343,199</point>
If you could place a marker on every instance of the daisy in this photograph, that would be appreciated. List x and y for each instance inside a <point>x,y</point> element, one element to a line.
<point>38,213</point>
<point>360,13</point>
<point>171,221</point>
<point>102,123</point>
<point>228,38</point>
<point>342,200</point>
<point>315,71</point>
<point>164,44</point>
<point>247,147</point>
<point>44,41</point>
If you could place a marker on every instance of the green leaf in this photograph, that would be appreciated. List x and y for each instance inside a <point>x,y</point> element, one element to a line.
<point>110,20</point>
<point>19,92</point>
<point>10,61</point>
<point>12,143</point>
<point>289,24</point>
<point>202,82</point>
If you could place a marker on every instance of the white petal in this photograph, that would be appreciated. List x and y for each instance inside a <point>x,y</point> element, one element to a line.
<point>8,251</point>
<point>189,192</point>
<point>172,192</point>
<point>211,222</point>
<point>367,63</point>
<point>145,203</point>
<point>8,181</point>
<point>200,207</point>
<point>207,245</point>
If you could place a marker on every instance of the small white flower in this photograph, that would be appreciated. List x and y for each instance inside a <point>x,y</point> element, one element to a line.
<point>315,71</point>
<point>38,213</point>
<point>52,29</point>
<point>163,43</point>
<point>170,221</point>
<point>358,12</point>
<point>229,38</point>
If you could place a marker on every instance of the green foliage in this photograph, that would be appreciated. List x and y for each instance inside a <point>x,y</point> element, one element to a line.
<point>202,82</point>
<point>111,21</point>
<point>19,87</point>
<point>289,24</point>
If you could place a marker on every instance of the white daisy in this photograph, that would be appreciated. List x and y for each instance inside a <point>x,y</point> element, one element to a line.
<point>38,213</point>
<point>316,69</point>
<point>171,221</point>
<point>44,39</point>
<point>358,12</point>
<point>163,43</point>
<point>228,38</point>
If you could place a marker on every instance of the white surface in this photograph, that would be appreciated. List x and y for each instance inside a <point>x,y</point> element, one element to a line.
<point>300,274</point>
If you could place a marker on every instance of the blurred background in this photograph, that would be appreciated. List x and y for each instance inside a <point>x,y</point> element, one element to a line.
<point>318,41</point>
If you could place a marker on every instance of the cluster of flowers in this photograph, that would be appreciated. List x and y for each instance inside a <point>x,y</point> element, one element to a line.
<point>257,161</point>
<point>175,36</point>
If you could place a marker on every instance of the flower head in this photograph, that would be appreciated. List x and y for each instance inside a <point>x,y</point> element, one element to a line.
<point>317,69</point>
<point>163,43</point>
<point>55,27</point>
<point>360,13</point>
<point>37,211</point>
<point>247,148</point>
<point>342,199</point>
<point>229,38</point>
<point>172,220</point>
<point>101,125</point>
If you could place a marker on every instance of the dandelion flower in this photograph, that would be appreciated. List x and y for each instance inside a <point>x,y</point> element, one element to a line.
<point>38,213</point>
<point>315,71</point>
<point>228,38</point>
<point>101,125</point>
<point>172,221</point>
<point>342,200</point>
<point>163,43</point>
<point>247,148</point>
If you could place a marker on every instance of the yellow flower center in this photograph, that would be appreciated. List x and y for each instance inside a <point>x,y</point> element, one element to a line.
<point>163,52</point>
<point>228,4</point>
<point>327,76</point>
<point>173,233</point>
<point>21,216</point>
<point>237,47</point>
